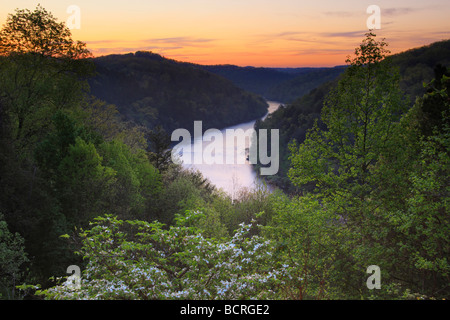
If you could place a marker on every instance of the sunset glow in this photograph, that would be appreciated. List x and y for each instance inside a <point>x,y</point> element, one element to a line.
<point>285,33</point>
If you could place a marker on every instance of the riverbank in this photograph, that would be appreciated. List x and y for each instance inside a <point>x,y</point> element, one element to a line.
<point>230,177</point>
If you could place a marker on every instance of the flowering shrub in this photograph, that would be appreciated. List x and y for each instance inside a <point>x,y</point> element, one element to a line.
<point>142,260</point>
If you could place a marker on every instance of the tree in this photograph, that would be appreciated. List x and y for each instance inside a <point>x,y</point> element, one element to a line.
<point>435,102</point>
<point>137,182</point>
<point>38,32</point>
<point>415,184</point>
<point>42,76</point>
<point>425,221</point>
<point>160,153</point>
<point>12,256</point>
<point>83,182</point>
<point>142,260</point>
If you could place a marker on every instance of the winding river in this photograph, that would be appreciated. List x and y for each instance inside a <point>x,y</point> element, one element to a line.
<point>229,177</point>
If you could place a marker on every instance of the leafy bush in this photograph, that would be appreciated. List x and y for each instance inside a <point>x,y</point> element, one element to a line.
<point>142,260</point>
<point>12,257</point>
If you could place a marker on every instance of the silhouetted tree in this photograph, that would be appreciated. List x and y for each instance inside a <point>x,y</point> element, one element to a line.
<point>159,145</point>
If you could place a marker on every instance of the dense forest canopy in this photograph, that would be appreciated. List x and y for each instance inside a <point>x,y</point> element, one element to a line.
<point>276,84</point>
<point>86,183</point>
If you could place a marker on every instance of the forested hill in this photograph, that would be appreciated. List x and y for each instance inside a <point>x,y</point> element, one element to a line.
<point>277,84</point>
<point>152,90</point>
<point>416,67</point>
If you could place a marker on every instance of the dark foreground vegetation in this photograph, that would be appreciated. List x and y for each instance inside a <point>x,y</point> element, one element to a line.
<point>416,67</point>
<point>154,91</point>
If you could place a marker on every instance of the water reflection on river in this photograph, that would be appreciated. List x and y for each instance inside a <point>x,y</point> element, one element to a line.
<point>230,177</point>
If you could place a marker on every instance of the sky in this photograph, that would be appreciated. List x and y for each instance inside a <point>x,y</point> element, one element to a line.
<point>260,33</point>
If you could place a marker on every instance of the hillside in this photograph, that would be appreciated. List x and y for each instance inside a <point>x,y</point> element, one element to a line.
<point>416,66</point>
<point>152,90</point>
<point>252,79</point>
<point>290,90</point>
<point>276,84</point>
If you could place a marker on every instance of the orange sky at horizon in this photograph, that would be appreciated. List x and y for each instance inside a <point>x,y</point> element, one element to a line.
<point>260,33</point>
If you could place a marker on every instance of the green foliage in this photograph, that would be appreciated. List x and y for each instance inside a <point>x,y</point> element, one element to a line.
<point>178,196</point>
<point>141,260</point>
<point>38,32</point>
<point>105,120</point>
<point>251,204</point>
<point>151,90</point>
<point>39,54</point>
<point>426,222</point>
<point>359,115</point>
<point>275,84</point>
<point>54,147</point>
<point>12,257</point>
<point>290,90</point>
<point>137,183</point>
<point>338,163</point>
<point>385,181</point>
<point>258,80</point>
<point>374,178</point>
<point>83,181</point>
<point>415,66</point>
<point>307,238</point>
<point>160,153</point>
<point>420,216</point>
<point>41,78</point>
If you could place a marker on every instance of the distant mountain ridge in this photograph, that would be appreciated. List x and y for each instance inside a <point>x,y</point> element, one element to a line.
<point>276,84</point>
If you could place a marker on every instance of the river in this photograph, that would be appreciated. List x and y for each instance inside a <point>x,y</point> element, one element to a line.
<point>229,177</point>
